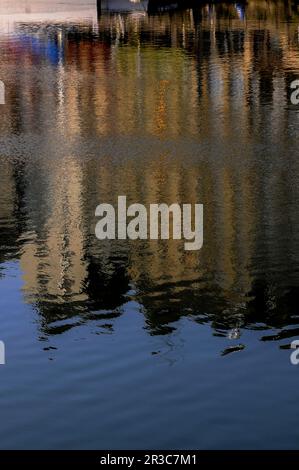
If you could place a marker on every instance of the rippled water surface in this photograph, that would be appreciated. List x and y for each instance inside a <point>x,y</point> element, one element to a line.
<point>141,344</point>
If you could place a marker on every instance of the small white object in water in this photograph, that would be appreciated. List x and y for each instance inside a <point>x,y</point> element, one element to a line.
<point>235,333</point>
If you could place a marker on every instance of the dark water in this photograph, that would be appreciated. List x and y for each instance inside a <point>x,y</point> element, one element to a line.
<point>141,344</point>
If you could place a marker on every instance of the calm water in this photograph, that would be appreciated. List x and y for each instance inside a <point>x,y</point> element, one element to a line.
<point>141,344</point>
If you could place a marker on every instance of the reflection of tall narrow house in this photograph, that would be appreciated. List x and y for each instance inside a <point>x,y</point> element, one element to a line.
<point>53,264</point>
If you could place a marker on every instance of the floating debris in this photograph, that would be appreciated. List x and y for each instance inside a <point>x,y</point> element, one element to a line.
<point>232,349</point>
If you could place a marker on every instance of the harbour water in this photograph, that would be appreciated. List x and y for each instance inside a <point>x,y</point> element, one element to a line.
<point>140,344</point>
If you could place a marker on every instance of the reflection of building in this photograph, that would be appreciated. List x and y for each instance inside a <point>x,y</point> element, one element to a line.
<point>163,91</point>
<point>182,103</point>
<point>10,226</point>
<point>68,272</point>
<point>58,254</point>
